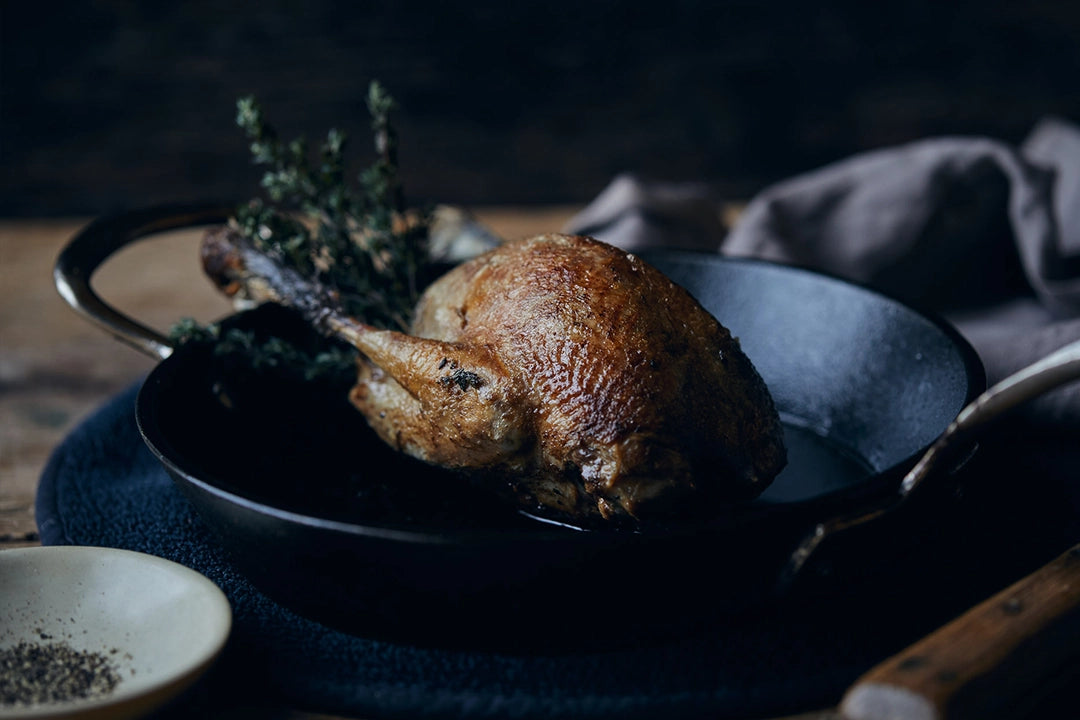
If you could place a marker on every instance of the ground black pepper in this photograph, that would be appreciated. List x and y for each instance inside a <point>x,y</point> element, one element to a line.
<point>37,673</point>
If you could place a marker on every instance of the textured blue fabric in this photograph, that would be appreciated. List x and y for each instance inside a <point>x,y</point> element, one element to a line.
<point>103,487</point>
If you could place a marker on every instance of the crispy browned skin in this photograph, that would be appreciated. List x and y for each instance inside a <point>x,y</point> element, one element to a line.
<point>584,374</point>
<point>576,378</point>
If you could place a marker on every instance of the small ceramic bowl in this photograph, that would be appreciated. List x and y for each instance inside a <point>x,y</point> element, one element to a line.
<point>159,625</point>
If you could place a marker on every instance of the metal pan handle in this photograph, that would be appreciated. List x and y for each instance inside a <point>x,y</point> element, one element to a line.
<point>1059,368</point>
<point>85,253</point>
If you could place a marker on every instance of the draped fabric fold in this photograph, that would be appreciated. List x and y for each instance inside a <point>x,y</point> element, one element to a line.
<point>982,232</point>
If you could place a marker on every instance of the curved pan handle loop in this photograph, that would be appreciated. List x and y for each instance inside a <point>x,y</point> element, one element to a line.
<point>93,245</point>
<point>1056,369</point>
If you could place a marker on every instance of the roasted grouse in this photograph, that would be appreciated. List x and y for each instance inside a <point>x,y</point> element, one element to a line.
<point>567,374</point>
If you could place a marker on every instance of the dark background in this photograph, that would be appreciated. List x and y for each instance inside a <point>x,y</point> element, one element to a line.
<point>107,105</point>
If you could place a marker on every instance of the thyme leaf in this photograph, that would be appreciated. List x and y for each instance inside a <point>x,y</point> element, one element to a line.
<point>269,355</point>
<point>358,239</point>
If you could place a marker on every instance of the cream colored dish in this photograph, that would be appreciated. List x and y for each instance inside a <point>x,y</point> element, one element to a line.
<point>158,624</point>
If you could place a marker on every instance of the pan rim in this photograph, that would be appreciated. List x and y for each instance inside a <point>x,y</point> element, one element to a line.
<point>973,365</point>
<point>158,445</point>
<point>974,370</point>
<point>874,485</point>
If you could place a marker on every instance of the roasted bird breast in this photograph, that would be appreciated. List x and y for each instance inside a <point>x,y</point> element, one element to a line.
<point>575,379</point>
<point>580,375</point>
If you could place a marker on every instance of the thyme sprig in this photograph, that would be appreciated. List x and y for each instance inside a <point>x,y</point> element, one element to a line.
<point>359,239</point>
<point>332,363</point>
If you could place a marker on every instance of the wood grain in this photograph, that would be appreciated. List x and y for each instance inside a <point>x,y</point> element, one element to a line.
<point>990,662</point>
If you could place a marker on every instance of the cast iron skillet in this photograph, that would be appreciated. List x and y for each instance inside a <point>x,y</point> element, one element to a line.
<point>319,515</point>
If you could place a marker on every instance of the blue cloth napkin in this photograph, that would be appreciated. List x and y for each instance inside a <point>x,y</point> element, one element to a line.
<point>103,487</point>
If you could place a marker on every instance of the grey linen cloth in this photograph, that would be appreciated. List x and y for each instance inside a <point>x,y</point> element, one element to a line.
<point>978,231</point>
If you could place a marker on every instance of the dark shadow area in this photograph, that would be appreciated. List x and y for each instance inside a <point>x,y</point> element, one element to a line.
<point>106,105</point>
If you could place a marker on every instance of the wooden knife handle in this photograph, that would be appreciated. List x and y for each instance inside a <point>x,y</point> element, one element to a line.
<point>987,662</point>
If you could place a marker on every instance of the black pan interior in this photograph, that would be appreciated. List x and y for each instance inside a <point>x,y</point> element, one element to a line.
<point>863,383</point>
